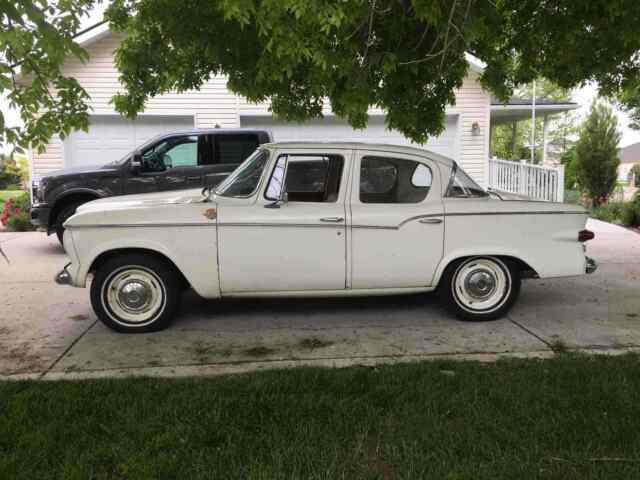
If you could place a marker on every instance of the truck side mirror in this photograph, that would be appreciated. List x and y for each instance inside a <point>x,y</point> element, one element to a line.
<point>136,163</point>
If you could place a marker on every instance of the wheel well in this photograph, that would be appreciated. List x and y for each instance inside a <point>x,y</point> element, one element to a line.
<point>523,267</point>
<point>103,257</point>
<point>64,201</point>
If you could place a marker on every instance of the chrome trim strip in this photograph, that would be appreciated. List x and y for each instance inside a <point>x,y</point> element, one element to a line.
<point>142,225</point>
<point>534,212</point>
<point>304,225</point>
<point>317,225</point>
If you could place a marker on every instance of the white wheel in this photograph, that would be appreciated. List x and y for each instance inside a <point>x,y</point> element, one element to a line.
<point>480,288</point>
<point>133,295</point>
<point>135,292</point>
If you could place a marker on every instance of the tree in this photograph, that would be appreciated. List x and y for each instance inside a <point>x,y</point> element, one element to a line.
<point>634,175</point>
<point>569,160</point>
<point>406,56</point>
<point>35,38</point>
<point>597,153</point>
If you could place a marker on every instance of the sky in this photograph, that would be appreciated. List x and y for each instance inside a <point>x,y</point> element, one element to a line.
<point>583,96</point>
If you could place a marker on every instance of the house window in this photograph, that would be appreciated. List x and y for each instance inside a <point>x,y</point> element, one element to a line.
<point>393,180</point>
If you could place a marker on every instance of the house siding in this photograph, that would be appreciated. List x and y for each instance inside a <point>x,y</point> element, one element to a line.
<point>213,105</point>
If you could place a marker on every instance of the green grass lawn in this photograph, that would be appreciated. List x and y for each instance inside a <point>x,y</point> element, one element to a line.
<point>7,194</point>
<point>571,417</point>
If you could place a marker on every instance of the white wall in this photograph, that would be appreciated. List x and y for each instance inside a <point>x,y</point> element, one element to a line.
<point>214,104</point>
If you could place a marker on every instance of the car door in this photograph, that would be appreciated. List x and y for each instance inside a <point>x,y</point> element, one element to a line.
<point>292,246</point>
<point>173,163</point>
<point>397,220</point>
<point>228,150</point>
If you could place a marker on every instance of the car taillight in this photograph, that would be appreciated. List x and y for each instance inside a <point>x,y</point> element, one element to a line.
<point>584,235</point>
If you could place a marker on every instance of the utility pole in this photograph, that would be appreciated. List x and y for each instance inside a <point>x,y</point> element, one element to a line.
<point>533,124</point>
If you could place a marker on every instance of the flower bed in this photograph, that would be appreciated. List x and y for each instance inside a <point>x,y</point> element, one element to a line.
<point>15,214</point>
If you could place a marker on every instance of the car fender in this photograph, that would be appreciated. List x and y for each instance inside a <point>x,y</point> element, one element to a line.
<point>204,281</point>
<point>480,252</point>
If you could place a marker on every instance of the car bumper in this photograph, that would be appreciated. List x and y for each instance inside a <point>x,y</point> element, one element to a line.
<point>64,277</point>
<point>40,214</point>
<point>591,266</point>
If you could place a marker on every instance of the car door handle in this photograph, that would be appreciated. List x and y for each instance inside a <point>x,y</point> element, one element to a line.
<point>332,219</point>
<point>430,220</point>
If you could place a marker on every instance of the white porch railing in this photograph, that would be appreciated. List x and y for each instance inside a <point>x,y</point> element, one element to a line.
<point>533,181</point>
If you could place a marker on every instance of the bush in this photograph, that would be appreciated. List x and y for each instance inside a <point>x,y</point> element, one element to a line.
<point>15,214</point>
<point>609,212</point>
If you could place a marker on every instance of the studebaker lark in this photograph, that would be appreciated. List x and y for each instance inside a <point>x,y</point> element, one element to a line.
<point>320,219</point>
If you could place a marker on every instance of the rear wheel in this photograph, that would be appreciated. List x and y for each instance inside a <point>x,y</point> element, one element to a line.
<point>63,215</point>
<point>135,293</point>
<point>480,288</point>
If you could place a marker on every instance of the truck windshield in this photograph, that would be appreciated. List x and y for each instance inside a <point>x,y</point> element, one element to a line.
<point>244,180</point>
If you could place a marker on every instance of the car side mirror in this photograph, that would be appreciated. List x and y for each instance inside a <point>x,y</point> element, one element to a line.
<point>136,163</point>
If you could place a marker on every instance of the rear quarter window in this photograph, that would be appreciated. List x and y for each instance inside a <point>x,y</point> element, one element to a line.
<point>235,148</point>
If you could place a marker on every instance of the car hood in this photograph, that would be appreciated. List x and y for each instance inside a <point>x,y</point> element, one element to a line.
<point>81,170</point>
<point>143,200</point>
<point>160,208</point>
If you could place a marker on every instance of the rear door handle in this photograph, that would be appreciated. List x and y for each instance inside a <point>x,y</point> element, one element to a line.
<point>430,220</point>
<point>332,219</point>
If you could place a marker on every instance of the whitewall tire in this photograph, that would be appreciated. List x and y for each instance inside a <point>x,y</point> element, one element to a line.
<point>135,293</point>
<point>480,288</point>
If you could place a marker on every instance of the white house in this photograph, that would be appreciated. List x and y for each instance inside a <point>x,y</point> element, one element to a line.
<point>466,137</point>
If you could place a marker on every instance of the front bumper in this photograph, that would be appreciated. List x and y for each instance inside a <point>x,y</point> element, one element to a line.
<point>40,214</point>
<point>64,277</point>
<point>591,266</point>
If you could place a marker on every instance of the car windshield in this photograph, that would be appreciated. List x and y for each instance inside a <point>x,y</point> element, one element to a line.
<point>462,185</point>
<point>245,179</point>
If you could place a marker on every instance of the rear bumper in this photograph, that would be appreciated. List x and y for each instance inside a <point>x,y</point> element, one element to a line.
<point>591,266</point>
<point>40,214</point>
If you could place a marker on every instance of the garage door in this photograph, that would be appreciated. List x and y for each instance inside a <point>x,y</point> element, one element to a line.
<point>110,138</point>
<point>335,129</point>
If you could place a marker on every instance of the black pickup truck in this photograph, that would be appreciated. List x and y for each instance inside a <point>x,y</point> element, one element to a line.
<point>174,161</point>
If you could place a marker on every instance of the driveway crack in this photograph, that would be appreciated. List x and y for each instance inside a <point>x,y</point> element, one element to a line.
<point>531,332</point>
<point>67,350</point>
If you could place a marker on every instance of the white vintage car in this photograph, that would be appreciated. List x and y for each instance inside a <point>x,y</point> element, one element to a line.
<point>320,219</point>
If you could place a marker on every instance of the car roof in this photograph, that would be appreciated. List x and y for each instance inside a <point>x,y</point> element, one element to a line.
<point>381,147</point>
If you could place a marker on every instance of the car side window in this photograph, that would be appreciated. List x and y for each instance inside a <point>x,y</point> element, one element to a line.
<point>234,148</point>
<point>393,180</point>
<point>309,178</point>
<point>171,153</point>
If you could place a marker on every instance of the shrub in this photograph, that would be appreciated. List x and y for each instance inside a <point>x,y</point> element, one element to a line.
<point>15,214</point>
<point>609,212</point>
<point>629,214</point>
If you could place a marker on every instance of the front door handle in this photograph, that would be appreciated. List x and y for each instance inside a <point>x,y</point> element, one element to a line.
<point>430,220</point>
<point>332,219</point>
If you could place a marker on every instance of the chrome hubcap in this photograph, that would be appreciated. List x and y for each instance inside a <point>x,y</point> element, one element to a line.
<point>481,284</point>
<point>134,295</point>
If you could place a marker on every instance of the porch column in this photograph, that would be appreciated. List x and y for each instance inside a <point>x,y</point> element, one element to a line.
<point>545,127</point>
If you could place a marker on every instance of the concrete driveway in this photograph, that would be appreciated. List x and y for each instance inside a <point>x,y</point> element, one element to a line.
<point>50,331</point>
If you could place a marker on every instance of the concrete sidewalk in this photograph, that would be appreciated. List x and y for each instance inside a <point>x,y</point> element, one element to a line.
<point>48,331</point>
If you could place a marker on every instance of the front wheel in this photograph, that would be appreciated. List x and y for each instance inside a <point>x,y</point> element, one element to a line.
<point>480,288</point>
<point>65,213</point>
<point>135,293</point>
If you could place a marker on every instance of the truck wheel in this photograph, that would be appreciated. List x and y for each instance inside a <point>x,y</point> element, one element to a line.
<point>63,215</point>
<point>479,288</point>
<point>135,293</point>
